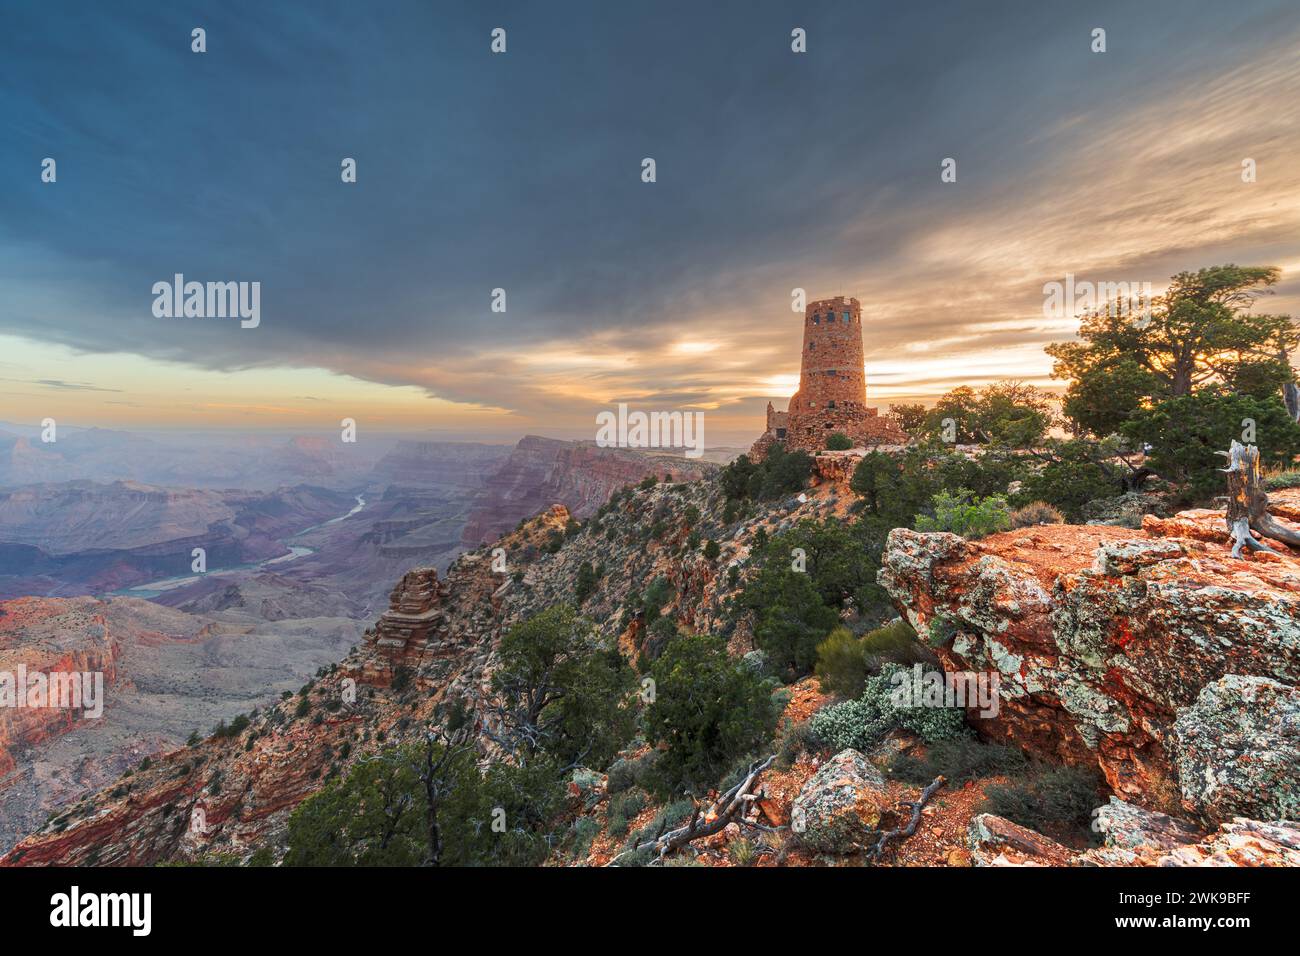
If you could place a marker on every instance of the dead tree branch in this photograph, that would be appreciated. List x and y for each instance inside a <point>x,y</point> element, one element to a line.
<point>724,810</point>
<point>902,833</point>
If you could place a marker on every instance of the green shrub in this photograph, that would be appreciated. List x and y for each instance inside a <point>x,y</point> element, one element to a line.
<point>706,710</point>
<point>864,722</point>
<point>838,441</point>
<point>742,852</point>
<point>797,739</point>
<point>623,808</point>
<point>965,515</point>
<point>627,772</point>
<point>841,667</point>
<point>711,550</point>
<point>1282,479</point>
<point>894,643</point>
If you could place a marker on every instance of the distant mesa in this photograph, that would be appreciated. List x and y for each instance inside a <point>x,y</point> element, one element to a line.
<point>832,394</point>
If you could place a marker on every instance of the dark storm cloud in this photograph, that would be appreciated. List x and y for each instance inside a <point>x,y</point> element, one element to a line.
<point>522,171</point>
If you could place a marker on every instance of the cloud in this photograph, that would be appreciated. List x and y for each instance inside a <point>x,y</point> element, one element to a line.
<point>522,172</point>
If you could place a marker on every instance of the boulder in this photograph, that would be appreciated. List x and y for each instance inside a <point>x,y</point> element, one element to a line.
<point>1237,749</point>
<point>840,805</point>
<point>996,841</point>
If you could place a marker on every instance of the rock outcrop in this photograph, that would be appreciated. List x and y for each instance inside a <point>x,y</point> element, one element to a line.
<point>1102,638</point>
<point>1136,837</point>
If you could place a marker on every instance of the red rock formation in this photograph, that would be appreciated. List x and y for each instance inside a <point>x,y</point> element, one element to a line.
<point>39,636</point>
<point>579,475</point>
<point>1100,636</point>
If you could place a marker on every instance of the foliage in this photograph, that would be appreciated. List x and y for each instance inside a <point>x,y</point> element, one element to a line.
<point>381,813</point>
<point>1058,796</point>
<point>959,759</point>
<point>706,710</point>
<point>1011,414</point>
<point>1186,432</point>
<point>894,643</point>
<point>585,583</point>
<point>565,688</point>
<point>964,514</point>
<point>1201,333</point>
<point>838,441</point>
<point>841,666</point>
<point>795,609</point>
<point>659,593</point>
<point>779,473</point>
<point>863,722</point>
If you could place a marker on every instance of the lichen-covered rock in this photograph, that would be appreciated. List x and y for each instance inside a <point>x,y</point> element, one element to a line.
<point>840,805</point>
<point>1100,637</point>
<point>1237,749</point>
<point>996,841</point>
<point>1130,827</point>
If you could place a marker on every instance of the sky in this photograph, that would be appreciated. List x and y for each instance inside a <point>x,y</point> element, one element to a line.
<point>522,171</point>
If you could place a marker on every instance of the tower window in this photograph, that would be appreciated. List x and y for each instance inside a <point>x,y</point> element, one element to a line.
<point>817,318</point>
<point>846,318</point>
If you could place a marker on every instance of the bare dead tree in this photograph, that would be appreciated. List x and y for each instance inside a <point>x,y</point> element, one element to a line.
<point>723,811</point>
<point>902,833</point>
<point>1248,503</point>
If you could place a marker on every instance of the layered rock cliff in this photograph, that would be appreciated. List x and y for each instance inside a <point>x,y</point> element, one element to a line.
<point>581,476</point>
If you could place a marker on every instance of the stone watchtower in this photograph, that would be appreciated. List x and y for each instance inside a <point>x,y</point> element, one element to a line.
<point>832,375</point>
<point>832,394</point>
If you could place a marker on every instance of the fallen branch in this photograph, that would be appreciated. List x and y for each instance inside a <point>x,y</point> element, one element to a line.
<point>723,811</point>
<point>902,833</point>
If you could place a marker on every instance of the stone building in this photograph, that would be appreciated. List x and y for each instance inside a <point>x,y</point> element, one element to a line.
<point>832,394</point>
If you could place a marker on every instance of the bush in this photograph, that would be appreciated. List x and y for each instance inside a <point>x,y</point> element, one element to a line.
<point>841,666</point>
<point>706,710</point>
<point>659,593</point>
<point>838,441</point>
<point>1282,479</point>
<point>1036,513</point>
<point>797,739</point>
<point>711,550</point>
<point>627,773</point>
<point>862,723</point>
<point>585,583</point>
<point>1060,796</point>
<point>623,809</point>
<point>894,643</point>
<point>959,759</point>
<point>965,515</point>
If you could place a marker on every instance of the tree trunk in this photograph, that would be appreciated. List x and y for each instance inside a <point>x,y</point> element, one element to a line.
<point>1248,504</point>
<point>1291,395</point>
